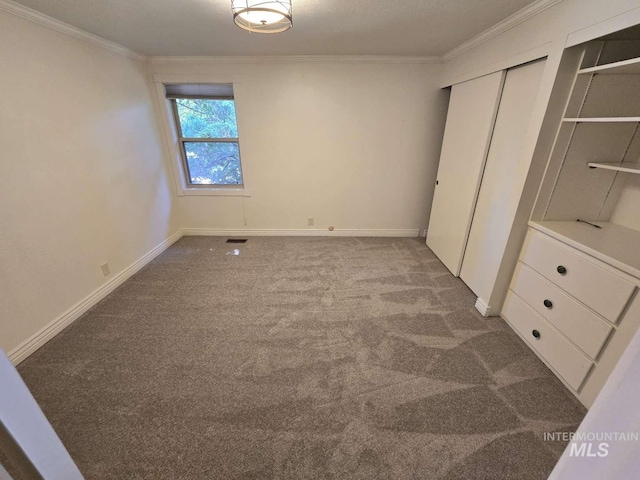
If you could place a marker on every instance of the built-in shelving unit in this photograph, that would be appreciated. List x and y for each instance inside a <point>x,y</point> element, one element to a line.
<point>581,258</point>
<point>618,167</point>
<point>625,67</point>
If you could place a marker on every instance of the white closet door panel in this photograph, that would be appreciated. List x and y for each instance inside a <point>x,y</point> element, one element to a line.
<point>470,119</point>
<point>503,180</point>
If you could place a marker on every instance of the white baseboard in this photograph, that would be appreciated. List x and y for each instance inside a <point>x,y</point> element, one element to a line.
<point>483,308</point>
<point>36,341</point>
<point>223,232</point>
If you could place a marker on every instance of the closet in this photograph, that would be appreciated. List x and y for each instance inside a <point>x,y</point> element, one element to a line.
<point>504,177</point>
<point>481,174</point>
<point>574,295</point>
<point>470,119</point>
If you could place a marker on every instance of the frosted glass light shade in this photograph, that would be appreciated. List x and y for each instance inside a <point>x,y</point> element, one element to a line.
<point>262,16</point>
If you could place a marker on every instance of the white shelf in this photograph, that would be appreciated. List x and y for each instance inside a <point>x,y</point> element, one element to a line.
<point>619,167</point>
<point>625,67</point>
<point>602,120</point>
<point>613,244</point>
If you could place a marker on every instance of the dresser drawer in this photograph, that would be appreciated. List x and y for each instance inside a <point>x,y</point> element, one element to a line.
<point>565,359</point>
<point>599,289</point>
<point>579,324</point>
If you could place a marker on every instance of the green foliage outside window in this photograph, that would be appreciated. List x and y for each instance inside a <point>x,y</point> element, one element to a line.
<point>216,162</point>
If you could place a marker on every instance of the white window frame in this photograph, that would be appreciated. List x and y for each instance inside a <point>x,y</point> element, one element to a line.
<point>171,129</point>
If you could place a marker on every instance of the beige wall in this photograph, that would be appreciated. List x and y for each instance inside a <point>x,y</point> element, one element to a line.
<point>354,145</point>
<point>626,212</point>
<point>83,176</point>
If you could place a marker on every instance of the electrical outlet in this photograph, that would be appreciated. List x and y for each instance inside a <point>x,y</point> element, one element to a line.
<point>106,270</point>
<point>310,221</point>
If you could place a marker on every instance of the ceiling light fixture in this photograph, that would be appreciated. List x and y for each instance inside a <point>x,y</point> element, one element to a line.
<point>262,16</point>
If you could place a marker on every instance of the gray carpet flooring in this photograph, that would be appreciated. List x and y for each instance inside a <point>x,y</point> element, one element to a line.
<point>299,358</point>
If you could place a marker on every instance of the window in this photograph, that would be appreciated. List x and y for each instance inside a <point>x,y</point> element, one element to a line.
<point>205,118</point>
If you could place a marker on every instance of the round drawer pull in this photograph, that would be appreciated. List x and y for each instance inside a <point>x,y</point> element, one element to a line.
<point>536,333</point>
<point>561,270</point>
<point>548,304</point>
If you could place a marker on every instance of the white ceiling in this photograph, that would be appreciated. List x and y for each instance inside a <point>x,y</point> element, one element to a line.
<point>320,27</point>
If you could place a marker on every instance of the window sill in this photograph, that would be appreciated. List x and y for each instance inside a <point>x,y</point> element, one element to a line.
<point>216,192</point>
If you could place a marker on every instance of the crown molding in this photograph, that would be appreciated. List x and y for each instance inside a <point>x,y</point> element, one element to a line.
<point>517,18</point>
<point>267,59</point>
<point>40,18</point>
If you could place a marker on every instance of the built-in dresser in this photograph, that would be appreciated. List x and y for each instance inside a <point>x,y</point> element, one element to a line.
<point>574,294</point>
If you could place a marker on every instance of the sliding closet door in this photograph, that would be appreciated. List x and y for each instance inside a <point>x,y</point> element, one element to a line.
<point>470,119</point>
<point>503,181</point>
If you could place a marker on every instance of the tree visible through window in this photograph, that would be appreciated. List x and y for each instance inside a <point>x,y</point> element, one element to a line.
<point>208,134</point>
